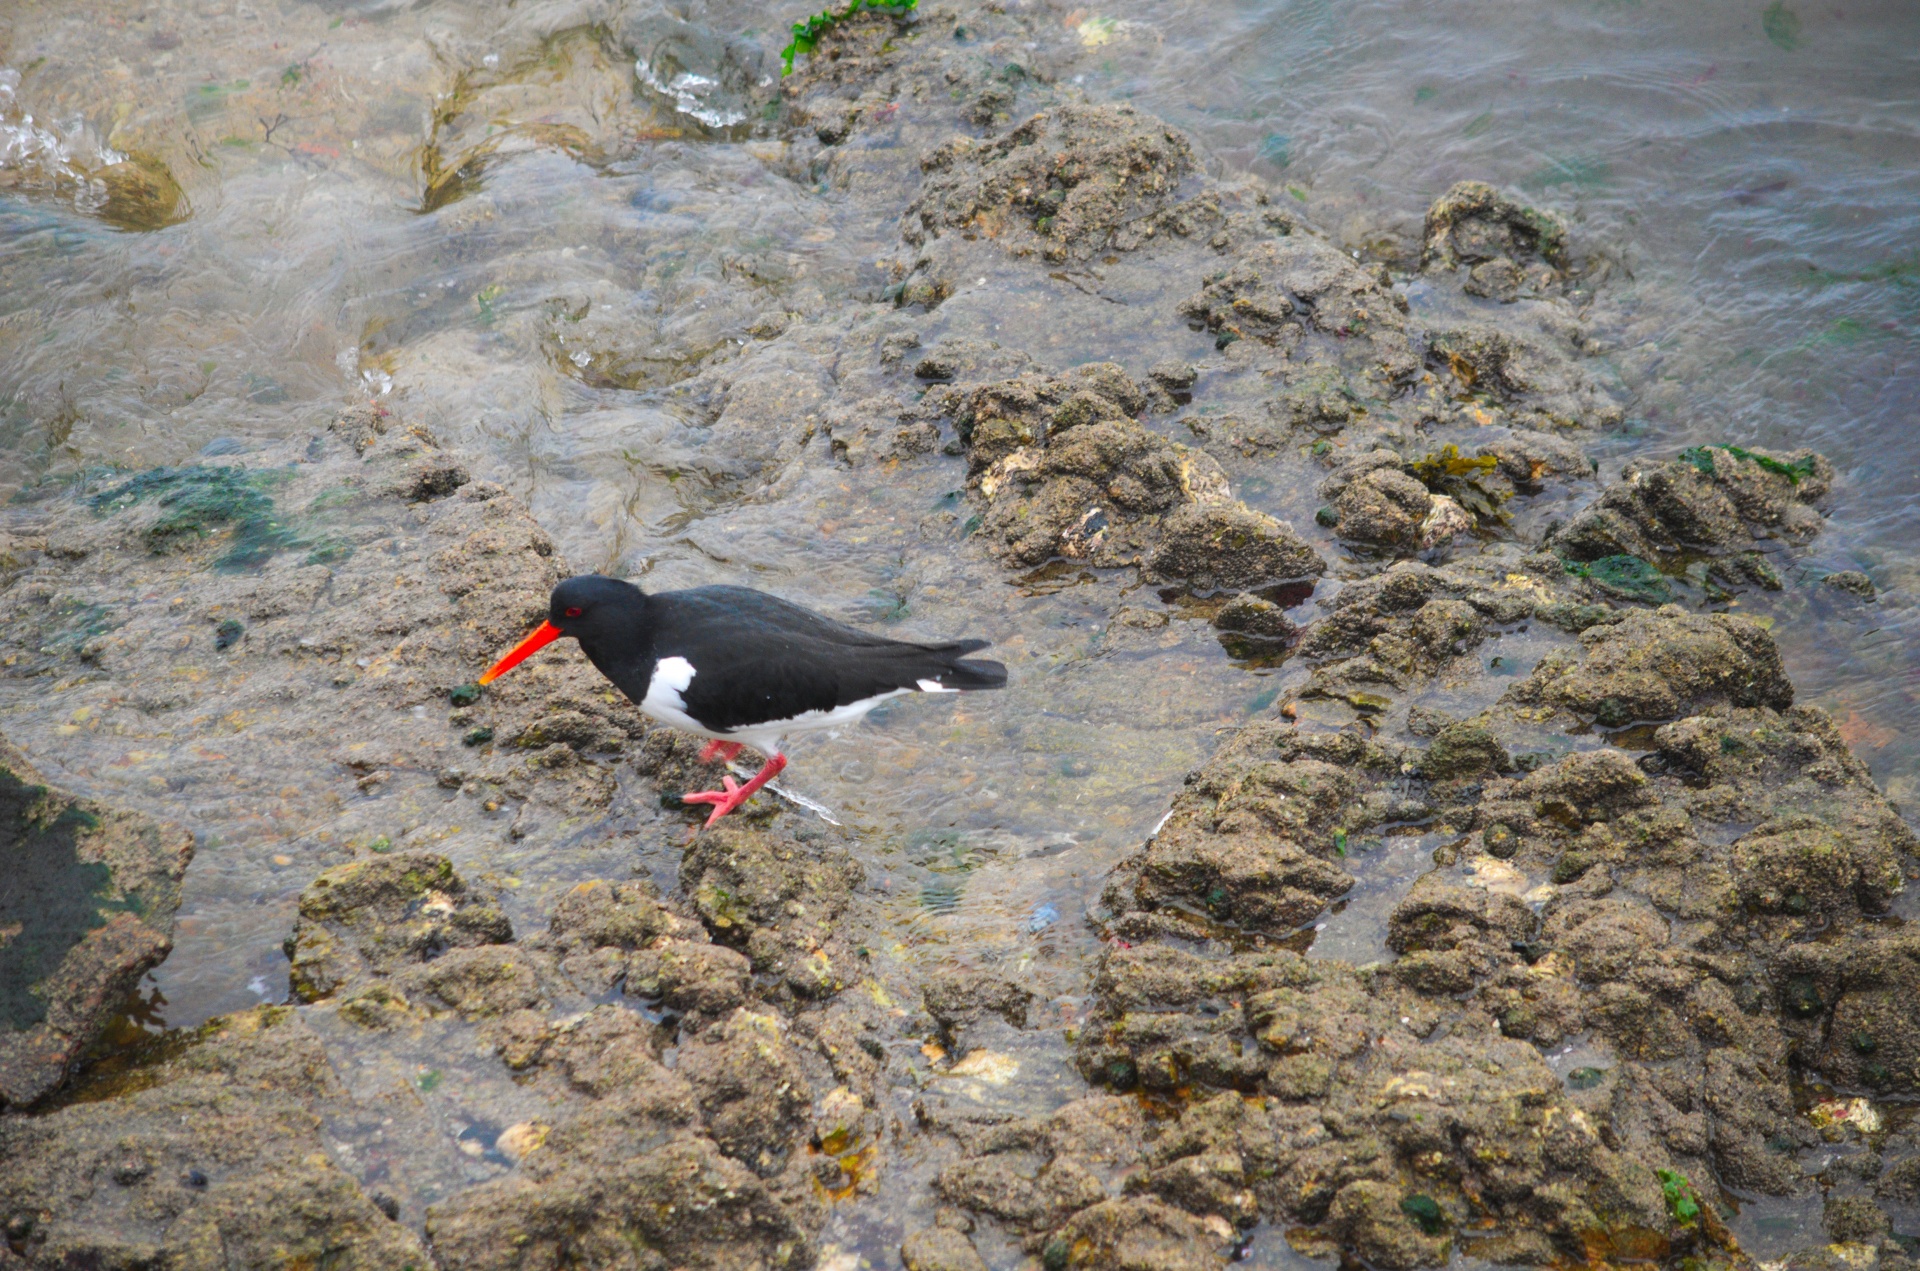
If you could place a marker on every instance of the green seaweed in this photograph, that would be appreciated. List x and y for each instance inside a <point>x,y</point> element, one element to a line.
<point>1701,457</point>
<point>1781,25</point>
<point>1627,576</point>
<point>807,34</point>
<point>196,502</point>
<point>1682,1202</point>
<point>1425,1212</point>
<point>1447,471</point>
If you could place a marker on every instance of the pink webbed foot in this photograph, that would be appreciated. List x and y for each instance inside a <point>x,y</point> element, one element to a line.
<point>734,794</point>
<point>725,751</point>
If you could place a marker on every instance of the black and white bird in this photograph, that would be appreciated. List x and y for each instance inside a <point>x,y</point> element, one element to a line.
<point>742,668</point>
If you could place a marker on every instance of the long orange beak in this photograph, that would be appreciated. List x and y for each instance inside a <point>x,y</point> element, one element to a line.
<point>543,635</point>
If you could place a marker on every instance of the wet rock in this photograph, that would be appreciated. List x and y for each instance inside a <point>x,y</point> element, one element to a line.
<point>577,729</point>
<point>478,983</point>
<point>1252,839</point>
<point>1139,1235</point>
<point>777,900</point>
<point>1854,1219</point>
<point>1377,504</point>
<point>1853,582</point>
<point>88,910</point>
<point>1280,286</point>
<point>1223,545</point>
<point>1710,501</point>
<point>1504,242</point>
<point>434,478</point>
<point>750,1086</point>
<point>700,980</point>
<point>1537,383</point>
<point>1845,1009</point>
<point>1376,1219</point>
<point>1065,184</point>
<point>631,1168</point>
<point>1464,749</point>
<point>225,1131</point>
<point>1033,1173</point>
<point>1255,618</point>
<point>956,999</point>
<point>940,1249</point>
<point>372,917</point>
<point>1661,665</point>
<point>1066,472</point>
<point>1412,620</point>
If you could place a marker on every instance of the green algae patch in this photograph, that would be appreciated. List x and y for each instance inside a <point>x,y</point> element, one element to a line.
<point>1682,1203</point>
<point>807,33</point>
<point>1625,576</point>
<point>1425,1213</point>
<point>195,503</point>
<point>1701,457</point>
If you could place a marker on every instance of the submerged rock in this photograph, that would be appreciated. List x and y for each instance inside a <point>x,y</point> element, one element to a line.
<point>376,916</point>
<point>1505,245</point>
<point>1067,183</point>
<point>86,911</point>
<point>1065,471</point>
<point>205,1150</point>
<point>1712,501</point>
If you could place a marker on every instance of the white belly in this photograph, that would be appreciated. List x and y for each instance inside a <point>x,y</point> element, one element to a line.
<point>671,676</point>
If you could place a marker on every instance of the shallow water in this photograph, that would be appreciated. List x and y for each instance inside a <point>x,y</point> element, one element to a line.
<point>356,218</point>
<point>1754,167</point>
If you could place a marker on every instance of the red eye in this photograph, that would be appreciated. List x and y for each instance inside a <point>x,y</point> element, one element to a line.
<point>573,611</point>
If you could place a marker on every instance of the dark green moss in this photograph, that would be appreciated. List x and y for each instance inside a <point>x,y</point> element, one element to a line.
<point>1801,997</point>
<point>1425,1213</point>
<point>1571,866</point>
<point>197,502</point>
<point>53,897</point>
<point>1625,576</point>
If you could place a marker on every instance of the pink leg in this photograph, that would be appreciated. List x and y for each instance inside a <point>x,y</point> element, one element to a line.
<point>735,794</point>
<point>724,750</point>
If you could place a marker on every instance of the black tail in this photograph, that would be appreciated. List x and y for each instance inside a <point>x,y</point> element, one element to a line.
<point>975,674</point>
<point>970,674</point>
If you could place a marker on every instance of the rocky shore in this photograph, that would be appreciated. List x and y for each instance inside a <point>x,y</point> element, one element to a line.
<point>1441,955</point>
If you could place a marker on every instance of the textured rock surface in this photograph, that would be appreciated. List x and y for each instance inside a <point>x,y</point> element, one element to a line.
<point>86,910</point>
<point>1468,811</point>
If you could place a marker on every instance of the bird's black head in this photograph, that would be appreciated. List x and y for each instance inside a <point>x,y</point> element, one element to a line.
<point>605,615</point>
<point>592,605</point>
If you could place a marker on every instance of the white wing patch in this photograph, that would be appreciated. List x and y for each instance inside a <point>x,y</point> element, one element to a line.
<point>935,686</point>
<point>664,688</point>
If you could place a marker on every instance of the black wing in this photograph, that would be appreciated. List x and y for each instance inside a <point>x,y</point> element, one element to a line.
<point>758,658</point>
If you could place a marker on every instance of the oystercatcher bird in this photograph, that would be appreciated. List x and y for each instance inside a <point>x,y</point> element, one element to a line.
<point>742,668</point>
